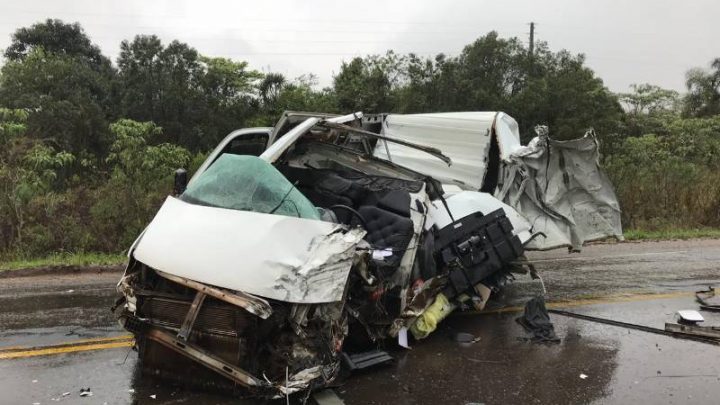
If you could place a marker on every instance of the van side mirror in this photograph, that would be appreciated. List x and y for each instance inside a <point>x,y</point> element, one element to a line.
<point>181,181</point>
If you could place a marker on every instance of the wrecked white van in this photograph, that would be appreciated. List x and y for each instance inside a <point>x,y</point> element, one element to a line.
<point>294,250</point>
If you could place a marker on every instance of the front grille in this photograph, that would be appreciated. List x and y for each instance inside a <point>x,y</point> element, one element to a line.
<point>214,317</point>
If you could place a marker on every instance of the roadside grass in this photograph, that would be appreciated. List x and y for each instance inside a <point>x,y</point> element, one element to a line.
<point>64,259</point>
<point>671,233</point>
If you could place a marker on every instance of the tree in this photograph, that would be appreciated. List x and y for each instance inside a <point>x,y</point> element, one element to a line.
<point>649,108</point>
<point>161,84</point>
<point>67,99</point>
<point>197,100</point>
<point>270,88</point>
<point>58,38</point>
<point>140,178</point>
<point>28,169</point>
<point>298,95</point>
<point>364,84</point>
<point>703,97</point>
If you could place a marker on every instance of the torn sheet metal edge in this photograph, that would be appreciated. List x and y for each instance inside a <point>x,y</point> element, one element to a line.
<point>403,273</point>
<point>295,382</point>
<point>427,149</point>
<point>254,305</point>
<point>555,211</point>
<point>238,250</point>
<point>283,143</point>
<point>195,353</point>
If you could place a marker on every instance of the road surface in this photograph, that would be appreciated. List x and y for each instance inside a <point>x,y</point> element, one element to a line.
<point>57,336</point>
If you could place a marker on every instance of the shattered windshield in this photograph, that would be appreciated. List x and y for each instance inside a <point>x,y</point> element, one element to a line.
<point>248,183</point>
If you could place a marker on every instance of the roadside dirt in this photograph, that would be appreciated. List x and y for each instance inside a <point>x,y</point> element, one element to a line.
<point>62,270</point>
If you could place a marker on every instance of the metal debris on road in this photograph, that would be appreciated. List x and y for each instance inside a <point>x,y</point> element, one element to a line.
<point>690,316</point>
<point>327,397</point>
<point>708,300</point>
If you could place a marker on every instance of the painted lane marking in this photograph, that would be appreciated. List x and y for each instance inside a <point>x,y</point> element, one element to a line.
<point>66,349</point>
<point>591,301</point>
<point>70,343</point>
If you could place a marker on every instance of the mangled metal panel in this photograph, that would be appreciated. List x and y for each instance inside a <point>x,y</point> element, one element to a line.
<point>562,191</point>
<point>279,146</point>
<point>284,258</point>
<point>465,137</point>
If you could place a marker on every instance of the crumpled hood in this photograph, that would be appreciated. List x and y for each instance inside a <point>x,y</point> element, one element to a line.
<point>273,256</point>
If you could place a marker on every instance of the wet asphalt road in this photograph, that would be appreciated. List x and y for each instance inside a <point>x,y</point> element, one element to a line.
<point>611,281</point>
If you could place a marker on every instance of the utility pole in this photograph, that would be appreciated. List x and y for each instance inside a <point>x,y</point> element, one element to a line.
<point>532,39</point>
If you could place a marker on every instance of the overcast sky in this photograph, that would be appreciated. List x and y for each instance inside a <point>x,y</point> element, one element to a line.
<point>625,41</point>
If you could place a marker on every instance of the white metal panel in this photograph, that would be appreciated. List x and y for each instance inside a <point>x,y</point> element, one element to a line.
<point>507,132</point>
<point>273,256</point>
<point>276,149</point>
<point>463,136</point>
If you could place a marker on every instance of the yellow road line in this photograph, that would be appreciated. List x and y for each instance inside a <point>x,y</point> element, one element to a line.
<point>70,343</point>
<point>595,301</point>
<point>66,349</point>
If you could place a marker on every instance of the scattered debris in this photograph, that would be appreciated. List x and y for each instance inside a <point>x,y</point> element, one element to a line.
<point>34,381</point>
<point>535,320</point>
<point>64,394</point>
<point>708,300</point>
<point>690,317</point>
<point>694,330</point>
<point>153,396</point>
<point>85,392</point>
<point>466,339</point>
<point>403,338</point>
<point>365,360</point>
<point>668,331</point>
<point>583,376</point>
<point>327,397</point>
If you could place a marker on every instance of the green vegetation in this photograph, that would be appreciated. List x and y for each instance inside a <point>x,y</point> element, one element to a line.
<point>64,259</point>
<point>88,146</point>
<point>672,233</point>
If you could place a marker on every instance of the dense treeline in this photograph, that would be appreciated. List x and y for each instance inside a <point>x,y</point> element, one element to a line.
<point>87,146</point>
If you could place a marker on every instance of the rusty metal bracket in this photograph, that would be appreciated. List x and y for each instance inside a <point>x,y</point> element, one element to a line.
<point>191,316</point>
<point>199,355</point>
<point>254,305</point>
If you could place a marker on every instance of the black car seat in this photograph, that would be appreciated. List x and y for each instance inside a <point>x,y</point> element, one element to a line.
<point>389,226</point>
